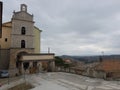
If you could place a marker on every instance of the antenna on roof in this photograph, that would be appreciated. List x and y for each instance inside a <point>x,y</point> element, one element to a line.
<point>48,49</point>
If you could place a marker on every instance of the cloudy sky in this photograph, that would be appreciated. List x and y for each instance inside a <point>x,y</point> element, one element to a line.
<point>74,27</point>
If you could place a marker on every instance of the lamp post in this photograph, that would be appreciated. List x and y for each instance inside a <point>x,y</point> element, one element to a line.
<point>0,52</point>
<point>48,49</point>
<point>102,55</point>
<point>8,77</point>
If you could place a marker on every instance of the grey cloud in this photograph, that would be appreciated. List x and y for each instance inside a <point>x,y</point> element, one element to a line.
<point>76,27</point>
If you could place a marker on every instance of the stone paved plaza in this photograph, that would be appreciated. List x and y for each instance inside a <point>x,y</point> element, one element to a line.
<point>64,81</point>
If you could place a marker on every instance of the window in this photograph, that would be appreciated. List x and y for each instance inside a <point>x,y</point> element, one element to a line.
<point>22,43</point>
<point>23,8</point>
<point>5,39</point>
<point>23,31</point>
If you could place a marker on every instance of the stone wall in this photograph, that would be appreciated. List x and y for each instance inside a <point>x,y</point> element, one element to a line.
<point>13,57</point>
<point>22,19</point>
<point>14,52</point>
<point>4,58</point>
<point>6,38</point>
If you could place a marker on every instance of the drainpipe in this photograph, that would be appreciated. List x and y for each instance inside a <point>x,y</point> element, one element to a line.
<point>1,9</point>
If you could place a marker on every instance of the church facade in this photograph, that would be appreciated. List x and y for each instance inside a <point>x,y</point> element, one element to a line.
<point>20,45</point>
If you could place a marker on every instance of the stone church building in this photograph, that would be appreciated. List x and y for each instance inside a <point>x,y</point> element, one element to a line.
<point>20,45</point>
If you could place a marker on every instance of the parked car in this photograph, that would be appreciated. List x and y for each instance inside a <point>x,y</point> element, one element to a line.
<point>4,73</point>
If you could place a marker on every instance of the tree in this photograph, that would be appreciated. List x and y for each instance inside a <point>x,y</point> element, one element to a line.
<point>59,61</point>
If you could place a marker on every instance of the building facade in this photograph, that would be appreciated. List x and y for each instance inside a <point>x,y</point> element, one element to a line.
<point>20,42</point>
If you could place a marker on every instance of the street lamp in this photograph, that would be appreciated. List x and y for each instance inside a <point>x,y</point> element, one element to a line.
<point>101,58</point>
<point>0,52</point>
<point>102,53</point>
<point>8,77</point>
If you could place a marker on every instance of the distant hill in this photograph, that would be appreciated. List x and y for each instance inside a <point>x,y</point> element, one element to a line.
<point>90,59</point>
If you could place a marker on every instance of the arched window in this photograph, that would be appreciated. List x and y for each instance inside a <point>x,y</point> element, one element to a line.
<point>23,31</point>
<point>22,43</point>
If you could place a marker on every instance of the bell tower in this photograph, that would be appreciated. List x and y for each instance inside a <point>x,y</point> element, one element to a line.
<point>22,35</point>
<point>24,7</point>
<point>22,29</point>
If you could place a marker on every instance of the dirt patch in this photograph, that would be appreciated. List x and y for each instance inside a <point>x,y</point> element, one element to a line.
<point>23,86</point>
<point>11,79</point>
